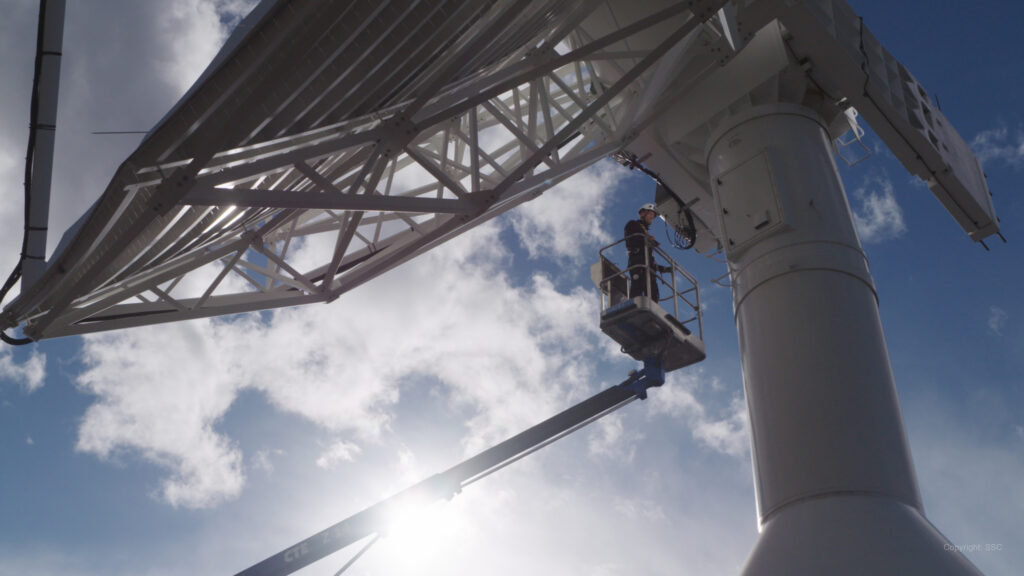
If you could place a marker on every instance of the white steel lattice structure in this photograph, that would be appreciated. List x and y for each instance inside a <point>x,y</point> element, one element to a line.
<point>389,127</point>
<point>314,124</point>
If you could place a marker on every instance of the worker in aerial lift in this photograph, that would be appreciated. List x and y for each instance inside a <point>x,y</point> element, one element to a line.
<point>640,244</point>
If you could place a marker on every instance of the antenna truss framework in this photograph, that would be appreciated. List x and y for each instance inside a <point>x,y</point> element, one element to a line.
<point>337,140</point>
<point>332,141</point>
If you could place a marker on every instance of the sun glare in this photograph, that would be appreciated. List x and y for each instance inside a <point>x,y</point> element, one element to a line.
<point>421,534</point>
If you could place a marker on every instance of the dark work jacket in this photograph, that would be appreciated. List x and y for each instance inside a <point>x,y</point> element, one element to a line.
<point>636,232</point>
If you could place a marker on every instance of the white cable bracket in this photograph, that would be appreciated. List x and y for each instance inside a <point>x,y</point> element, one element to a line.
<point>858,134</point>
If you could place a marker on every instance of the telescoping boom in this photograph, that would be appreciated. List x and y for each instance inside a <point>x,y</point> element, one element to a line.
<point>375,519</point>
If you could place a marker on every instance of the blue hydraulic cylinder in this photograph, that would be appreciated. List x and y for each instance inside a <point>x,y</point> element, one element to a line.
<point>653,374</point>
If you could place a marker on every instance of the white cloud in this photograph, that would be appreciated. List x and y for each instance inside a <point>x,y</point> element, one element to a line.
<point>969,480</point>
<point>41,561</point>
<point>30,374</point>
<point>878,217</point>
<point>30,441</point>
<point>159,392</point>
<point>11,219</point>
<point>497,347</point>
<point>997,320</point>
<point>997,145</point>
<point>916,182</point>
<point>645,509</point>
<point>610,439</point>
<point>263,460</point>
<point>338,452</point>
<point>726,434</point>
<point>566,222</point>
<point>193,31</point>
<point>17,50</point>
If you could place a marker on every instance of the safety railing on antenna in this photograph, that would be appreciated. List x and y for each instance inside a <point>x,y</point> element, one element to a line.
<point>676,287</point>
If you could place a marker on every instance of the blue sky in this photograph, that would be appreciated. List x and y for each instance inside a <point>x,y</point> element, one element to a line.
<point>205,447</point>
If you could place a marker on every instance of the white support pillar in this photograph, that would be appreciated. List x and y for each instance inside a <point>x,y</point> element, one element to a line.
<point>835,485</point>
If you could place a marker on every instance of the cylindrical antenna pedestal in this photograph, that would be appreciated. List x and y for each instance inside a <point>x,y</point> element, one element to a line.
<point>835,485</point>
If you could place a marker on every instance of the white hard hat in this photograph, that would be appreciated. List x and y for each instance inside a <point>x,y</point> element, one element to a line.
<point>649,206</point>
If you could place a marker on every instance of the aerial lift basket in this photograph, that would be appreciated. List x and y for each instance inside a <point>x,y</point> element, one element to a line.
<point>669,328</point>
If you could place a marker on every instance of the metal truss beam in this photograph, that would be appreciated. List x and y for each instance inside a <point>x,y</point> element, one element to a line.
<point>319,151</point>
<point>249,197</point>
<point>202,222</point>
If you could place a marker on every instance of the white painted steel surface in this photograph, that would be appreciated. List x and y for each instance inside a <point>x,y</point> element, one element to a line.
<point>856,535</point>
<point>331,141</point>
<point>828,444</point>
<point>338,140</point>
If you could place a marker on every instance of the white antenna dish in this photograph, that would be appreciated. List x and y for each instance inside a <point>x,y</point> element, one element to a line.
<point>386,146</point>
<point>338,168</point>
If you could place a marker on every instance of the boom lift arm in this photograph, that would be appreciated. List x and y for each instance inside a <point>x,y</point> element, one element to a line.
<point>375,519</point>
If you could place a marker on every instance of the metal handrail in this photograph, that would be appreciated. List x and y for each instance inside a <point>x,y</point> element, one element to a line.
<point>688,293</point>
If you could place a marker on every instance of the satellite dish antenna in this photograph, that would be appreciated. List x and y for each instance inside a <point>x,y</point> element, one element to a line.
<point>322,148</point>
